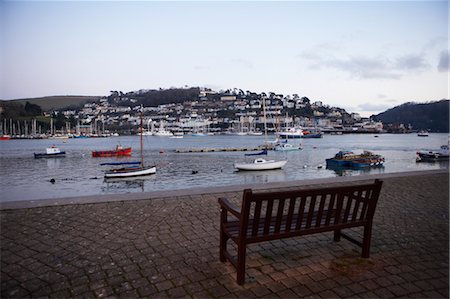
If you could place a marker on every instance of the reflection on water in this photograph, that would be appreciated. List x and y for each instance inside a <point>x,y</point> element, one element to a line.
<point>349,171</point>
<point>255,177</point>
<point>128,184</point>
<point>23,177</point>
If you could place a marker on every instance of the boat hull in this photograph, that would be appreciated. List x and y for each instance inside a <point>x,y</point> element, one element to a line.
<point>268,165</point>
<point>45,155</point>
<point>112,153</point>
<point>130,172</point>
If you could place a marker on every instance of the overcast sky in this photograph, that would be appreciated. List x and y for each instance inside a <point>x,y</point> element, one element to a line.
<point>364,56</point>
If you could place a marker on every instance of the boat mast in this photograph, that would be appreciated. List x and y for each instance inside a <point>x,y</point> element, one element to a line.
<point>265,122</point>
<point>142,156</point>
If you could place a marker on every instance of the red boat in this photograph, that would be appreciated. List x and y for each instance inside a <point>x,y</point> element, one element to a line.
<point>118,152</point>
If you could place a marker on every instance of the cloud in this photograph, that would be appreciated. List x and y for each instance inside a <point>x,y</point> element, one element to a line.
<point>364,67</point>
<point>411,62</point>
<point>381,96</point>
<point>373,107</point>
<point>201,67</point>
<point>443,65</point>
<point>243,62</point>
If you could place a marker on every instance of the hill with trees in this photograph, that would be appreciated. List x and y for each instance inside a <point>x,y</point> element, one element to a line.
<point>432,116</point>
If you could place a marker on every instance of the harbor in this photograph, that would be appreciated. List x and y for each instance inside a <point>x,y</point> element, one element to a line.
<point>165,244</point>
<point>78,173</point>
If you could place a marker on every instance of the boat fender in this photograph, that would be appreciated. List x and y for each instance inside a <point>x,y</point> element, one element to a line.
<point>52,181</point>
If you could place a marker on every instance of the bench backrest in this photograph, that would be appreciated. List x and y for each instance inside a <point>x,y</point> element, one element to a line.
<point>269,215</point>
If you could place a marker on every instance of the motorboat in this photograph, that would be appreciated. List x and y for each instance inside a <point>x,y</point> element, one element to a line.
<point>119,151</point>
<point>51,152</point>
<point>287,147</point>
<point>294,132</point>
<point>349,159</point>
<point>260,164</point>
<point>422,133</point>
<point>430,156</point>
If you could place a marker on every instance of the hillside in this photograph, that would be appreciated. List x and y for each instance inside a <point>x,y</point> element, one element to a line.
<point>433,117</point>
<point>56,102</point>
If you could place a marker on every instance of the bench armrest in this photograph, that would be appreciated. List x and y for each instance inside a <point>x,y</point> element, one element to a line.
<point>229,206</point>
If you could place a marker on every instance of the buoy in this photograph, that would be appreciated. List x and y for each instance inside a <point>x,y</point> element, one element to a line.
<point>320,166</point>
<point>305,166</point>
<point>161,151</point>
<point>194,171</point>
<point>52,181</point>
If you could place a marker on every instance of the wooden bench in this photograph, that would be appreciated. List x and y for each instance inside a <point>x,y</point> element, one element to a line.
<point>266,216</point>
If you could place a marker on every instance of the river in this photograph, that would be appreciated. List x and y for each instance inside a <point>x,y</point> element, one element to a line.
<point>23,177</point>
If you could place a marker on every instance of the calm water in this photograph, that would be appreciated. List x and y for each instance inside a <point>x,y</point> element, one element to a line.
<point>22,177</point>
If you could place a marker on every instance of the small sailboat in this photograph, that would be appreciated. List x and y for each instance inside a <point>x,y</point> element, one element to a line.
<point>260,164</point>
<point>134,169</point>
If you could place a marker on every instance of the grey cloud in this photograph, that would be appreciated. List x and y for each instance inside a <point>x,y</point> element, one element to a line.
<point>243,62</point>
<point>363,67</point>
<point>373,107</point>
<point>443,65</point>
<point>411,62</point>
<point>201,67</point>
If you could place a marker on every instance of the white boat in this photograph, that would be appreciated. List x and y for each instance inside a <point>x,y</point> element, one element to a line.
<point>50,152</point>
<point>287,147</point>
<point>162,132</point>
<point>430,156</point>
<point>294,132</point>
<point>422,133</point>
<point>260,164</point>
<point>132,171</point>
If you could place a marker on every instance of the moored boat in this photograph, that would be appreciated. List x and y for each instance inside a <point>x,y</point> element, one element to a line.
<point>422,133</point>
<point>294,132</point>
<point>133,170</point>
<point>430,156</point>
<point>51,152</point>
<point>5,137</point>
<point>260,164</point>
<point>287,147</point>
<point>120,151</point>
<point>349,159</point>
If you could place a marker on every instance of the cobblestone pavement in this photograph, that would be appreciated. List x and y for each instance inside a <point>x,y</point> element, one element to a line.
<point>169,248</point>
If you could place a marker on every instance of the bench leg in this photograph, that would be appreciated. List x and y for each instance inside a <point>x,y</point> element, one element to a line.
<point>337,235</point>
<point>366,241</point>
<point>223,245</point>
<point>241,263</point>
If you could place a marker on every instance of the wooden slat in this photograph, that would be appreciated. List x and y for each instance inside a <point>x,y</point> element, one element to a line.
<point>290,213</point>
<point>330,209</point>
<point>357,202</point>
<point>312,205</point>
<point>268,219</point>
<point>340,202</point>
<point>365,204</point>
<point>279,215</point>
<point>256,217</point>
<point>301,210</point>
<point>323,199</point>
<point>348,206</point>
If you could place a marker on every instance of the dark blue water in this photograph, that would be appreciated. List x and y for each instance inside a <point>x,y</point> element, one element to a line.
<point>23,177</point>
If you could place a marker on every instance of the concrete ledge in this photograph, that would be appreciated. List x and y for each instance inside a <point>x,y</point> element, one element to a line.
<point>26,204</point>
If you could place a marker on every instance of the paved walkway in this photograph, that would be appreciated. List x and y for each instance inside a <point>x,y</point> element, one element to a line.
<point>168,247</point>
